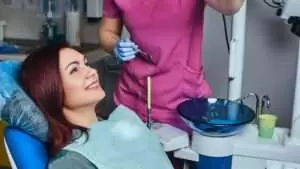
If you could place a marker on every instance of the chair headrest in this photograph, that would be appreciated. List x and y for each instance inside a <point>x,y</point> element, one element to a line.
<point>27,151</point>
<point>16,108</point>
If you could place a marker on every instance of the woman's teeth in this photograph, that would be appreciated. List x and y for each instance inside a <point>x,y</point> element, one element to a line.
<point>93,85</point>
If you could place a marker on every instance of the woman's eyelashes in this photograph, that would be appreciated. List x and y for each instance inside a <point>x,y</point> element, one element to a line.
<point>74,70</point>
<point>77,67</point>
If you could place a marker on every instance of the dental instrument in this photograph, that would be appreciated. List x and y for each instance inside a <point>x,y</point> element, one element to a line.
<point>145,56</point>
<point>149,121</point>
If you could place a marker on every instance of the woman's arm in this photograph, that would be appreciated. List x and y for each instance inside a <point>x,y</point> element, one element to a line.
<point>70,160</point>
<point>110,30</point>
<point>227,7</point>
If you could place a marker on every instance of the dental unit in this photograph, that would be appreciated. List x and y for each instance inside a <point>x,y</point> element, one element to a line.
<point>245,149</point>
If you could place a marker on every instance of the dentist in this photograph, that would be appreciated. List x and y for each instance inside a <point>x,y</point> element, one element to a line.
<point>171,32</point>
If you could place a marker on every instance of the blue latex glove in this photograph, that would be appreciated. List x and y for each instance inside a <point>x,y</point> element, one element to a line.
<point>125,50</point>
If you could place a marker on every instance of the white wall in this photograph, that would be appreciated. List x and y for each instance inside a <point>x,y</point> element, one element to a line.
<point>270,63</point>
<point>24,23</point>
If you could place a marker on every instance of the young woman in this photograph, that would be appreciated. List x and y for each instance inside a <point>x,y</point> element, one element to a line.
<point>67,89</point>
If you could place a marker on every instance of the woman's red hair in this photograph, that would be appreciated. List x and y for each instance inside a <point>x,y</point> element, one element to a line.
<point>41,80</point>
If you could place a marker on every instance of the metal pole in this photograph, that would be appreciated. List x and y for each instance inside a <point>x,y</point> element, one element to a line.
<point>237,54</point>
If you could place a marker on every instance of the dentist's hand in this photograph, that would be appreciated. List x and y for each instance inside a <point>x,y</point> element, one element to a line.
<point>125,50</point>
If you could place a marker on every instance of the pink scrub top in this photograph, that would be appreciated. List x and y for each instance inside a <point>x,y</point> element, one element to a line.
<point>171,31</point>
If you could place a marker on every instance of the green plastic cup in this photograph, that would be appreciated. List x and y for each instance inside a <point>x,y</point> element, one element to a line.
<point>266,126</point>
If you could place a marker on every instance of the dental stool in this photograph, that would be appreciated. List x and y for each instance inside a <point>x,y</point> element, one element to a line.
<point>24,151</point>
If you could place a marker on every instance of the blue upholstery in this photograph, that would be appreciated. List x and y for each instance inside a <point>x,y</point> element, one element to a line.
<point>27,128</point>
<point>27,151</point>
<point>16,108</point>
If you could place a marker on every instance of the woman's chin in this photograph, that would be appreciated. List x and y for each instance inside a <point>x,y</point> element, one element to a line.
<point>101,95</point>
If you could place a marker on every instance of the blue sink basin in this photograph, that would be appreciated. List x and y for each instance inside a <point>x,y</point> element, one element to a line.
<point>215,116</point>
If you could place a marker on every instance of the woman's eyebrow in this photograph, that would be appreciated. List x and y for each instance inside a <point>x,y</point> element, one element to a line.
<point>71,63</point>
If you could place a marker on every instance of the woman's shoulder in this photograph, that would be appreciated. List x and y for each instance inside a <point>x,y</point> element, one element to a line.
<point>70,160</point>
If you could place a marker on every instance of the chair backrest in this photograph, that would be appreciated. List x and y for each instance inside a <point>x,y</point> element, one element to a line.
<point>24,151</point>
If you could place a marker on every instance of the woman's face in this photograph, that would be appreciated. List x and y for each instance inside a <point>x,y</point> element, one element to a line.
<point>80,82</point>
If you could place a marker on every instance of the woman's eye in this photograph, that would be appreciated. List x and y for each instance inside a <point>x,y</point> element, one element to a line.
<point>75,69</point>
<point>86,63</point>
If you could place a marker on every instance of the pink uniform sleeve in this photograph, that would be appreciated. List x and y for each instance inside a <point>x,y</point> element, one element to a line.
<point>110,9</point>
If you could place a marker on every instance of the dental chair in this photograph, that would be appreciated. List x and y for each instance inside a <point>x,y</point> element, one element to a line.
<point>26,134</point>
<point>24,151</point>
<point>26,131</point>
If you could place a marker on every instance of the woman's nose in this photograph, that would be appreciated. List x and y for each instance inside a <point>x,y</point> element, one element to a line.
<point>90,72</point>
